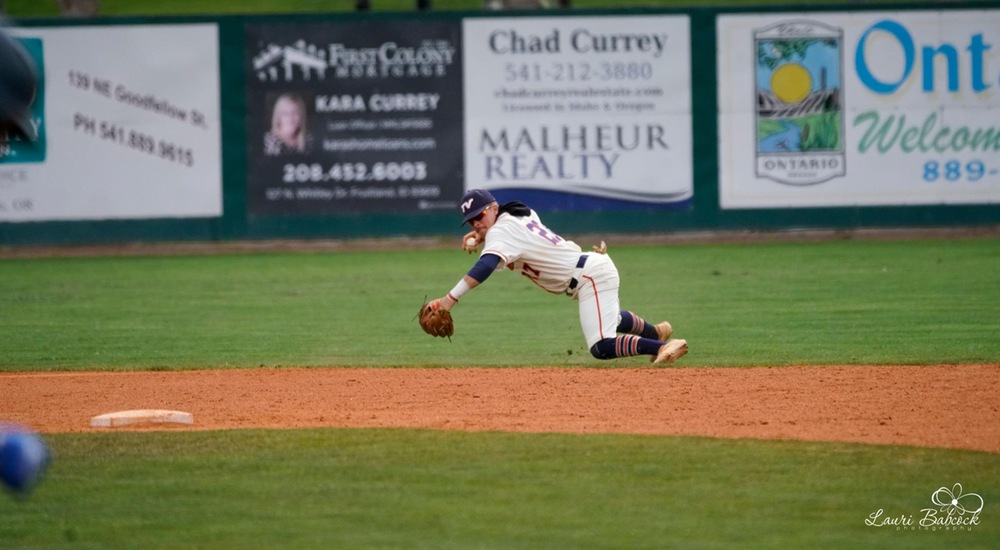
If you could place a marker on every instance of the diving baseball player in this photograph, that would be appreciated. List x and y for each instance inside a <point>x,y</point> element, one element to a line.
<point>514,237</point>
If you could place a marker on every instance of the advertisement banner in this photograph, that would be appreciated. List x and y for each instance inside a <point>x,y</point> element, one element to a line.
<point>859,109</point>
<point>580,113</point>
<point>353,116</point>
<point>126,124</point>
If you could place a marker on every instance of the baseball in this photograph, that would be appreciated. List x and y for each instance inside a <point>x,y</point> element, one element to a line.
<point>471,242</point>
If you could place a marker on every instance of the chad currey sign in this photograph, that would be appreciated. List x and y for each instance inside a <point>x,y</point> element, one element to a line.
<point>580,113</point>
<point>859,109</point>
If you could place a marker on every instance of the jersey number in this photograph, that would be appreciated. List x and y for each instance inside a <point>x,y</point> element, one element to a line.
<point>543,232</point>
<point>530,272</point>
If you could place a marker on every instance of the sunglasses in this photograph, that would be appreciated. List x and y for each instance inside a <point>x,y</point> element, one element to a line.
<point>479,216</point>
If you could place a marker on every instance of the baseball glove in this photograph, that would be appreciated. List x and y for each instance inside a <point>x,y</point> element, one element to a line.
<point>436,321</point>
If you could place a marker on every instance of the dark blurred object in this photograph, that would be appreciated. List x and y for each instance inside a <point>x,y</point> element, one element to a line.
<point>79,8</point>
<point>423,5</point>
<point>18,84</point>
<point>363,5</point>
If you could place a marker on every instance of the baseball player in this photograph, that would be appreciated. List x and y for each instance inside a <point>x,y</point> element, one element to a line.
<point>514,237</point>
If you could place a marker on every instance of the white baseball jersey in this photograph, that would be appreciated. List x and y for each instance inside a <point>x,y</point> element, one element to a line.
<point>528,247</point>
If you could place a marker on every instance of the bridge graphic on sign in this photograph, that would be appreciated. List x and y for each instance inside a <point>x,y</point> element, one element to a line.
<point>799,102</point>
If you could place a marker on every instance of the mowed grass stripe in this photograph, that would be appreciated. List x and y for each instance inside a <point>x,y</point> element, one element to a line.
<point>428,489</point>
<point>842,302</point>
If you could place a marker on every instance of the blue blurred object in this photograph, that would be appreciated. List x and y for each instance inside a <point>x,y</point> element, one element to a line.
<point>24,457</point>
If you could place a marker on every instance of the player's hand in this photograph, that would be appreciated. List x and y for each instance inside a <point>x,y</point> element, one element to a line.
<point>443,302</point>
<point>470,242</point>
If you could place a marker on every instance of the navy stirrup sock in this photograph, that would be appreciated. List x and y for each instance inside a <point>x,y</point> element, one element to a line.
<point>625,346</point>
<point>633,324</point>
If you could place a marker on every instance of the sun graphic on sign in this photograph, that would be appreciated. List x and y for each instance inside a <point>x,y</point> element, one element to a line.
<point>791,83</point>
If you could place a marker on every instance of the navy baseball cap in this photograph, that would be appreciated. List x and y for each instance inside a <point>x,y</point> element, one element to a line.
<point>18,83</point>
<point>474,202</point>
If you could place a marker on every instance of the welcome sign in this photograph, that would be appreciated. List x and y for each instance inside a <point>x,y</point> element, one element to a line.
<point>867,108</point>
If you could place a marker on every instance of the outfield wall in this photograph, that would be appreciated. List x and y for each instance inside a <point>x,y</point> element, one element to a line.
<point>626,121</point>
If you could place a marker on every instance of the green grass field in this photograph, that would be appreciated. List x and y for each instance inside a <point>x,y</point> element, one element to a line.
<point>424,489</point>
<point>838,302</point>
<point>829,303</point>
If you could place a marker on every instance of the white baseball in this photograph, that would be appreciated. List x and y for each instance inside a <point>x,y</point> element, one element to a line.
<point>471,242</point>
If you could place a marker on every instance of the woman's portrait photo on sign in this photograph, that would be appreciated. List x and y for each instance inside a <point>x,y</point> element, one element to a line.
<point>289,131</point>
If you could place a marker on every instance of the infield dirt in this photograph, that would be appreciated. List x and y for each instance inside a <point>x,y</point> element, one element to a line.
<point>947,406</point>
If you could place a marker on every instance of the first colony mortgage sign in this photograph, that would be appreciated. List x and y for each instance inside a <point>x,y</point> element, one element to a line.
<point>380,105</point>
<point>591,111</point>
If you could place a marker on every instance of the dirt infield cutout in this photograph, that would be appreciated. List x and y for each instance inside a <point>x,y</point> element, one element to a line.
<point>946,406</point>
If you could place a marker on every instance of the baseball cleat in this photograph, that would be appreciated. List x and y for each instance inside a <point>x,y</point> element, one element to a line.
<point>670,352</point>
<point>663,331</point>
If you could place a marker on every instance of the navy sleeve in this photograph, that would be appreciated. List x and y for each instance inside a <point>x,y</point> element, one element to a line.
<point>486,265</point>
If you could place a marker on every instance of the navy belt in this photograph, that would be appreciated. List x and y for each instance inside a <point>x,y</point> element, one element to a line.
<point>579,263</point>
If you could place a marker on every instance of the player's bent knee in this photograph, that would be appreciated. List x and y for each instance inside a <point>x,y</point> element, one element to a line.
<point>605,349</point>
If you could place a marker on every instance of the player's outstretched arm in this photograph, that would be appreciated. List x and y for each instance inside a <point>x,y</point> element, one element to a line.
<point>482,269</point>
<point>449,300</point>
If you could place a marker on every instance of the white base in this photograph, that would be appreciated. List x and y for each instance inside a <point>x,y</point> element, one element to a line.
<point>156,416</point>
